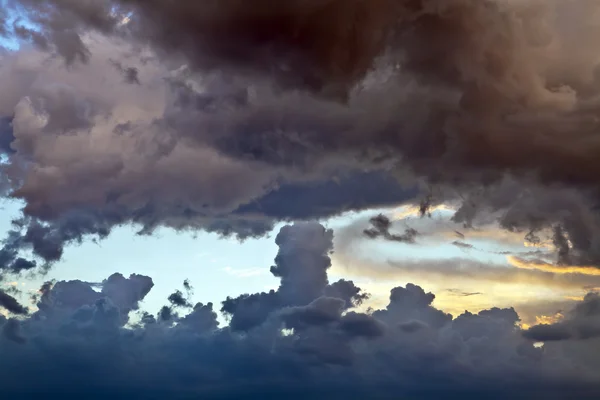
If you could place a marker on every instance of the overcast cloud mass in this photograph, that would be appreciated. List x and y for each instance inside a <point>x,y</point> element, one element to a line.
<point>232,116</point>
<point>301,340</point>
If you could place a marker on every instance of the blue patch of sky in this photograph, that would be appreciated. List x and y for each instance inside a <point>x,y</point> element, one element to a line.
<point>15,16</point>
<point>216,267</point>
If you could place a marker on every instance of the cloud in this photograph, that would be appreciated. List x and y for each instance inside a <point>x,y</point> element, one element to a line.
<point>6,136</point>
<point>55,111</point>
<point>381,228</point>
<point>412,304</point>
<point>463,283</point>
<point>458,292</point>
<point>125,294</point>
<point>395,351</point>
<point>581,323</point>
<point>547,267</point>
<point>483,233</point>
<point>11,304</point>
<point>301,265</point>
<point>12,331</point>
<point>3,23</point>
<point>233,116</point>
<point>463,245</point>
<point>455,270</point>
<point>557,223</point>
<point>89,156</point>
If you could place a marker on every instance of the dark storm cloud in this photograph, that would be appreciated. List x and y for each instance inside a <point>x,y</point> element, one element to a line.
<point>47,241</point>
<point>76,344</point>
<point>12,331</point>
<point>228,196</point>
<point>326,46</point>
<point>458,93</point>
<point>412,303</point>
<point>130,74</point>
<point>124,293</point>
<point>179,301</point>
<point>9,255</point>
<point>548,333</point>
<point>201,320</point>
<point>11,304</point>
<point>322,311</point>
<point>581,323</point>
<point>381,228</point>
<point>563,215</point>
<point>301,264</point>
<point>361,325</point>
<point>491,56</point>
<point>4,30</point>
<point>6,135</point>
<point>463,245</point>
<point>347,291</point>
<point>322,199</point>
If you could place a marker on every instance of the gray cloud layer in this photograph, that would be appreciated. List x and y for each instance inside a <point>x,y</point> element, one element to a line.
<point>92,153</point>
<point>77,344</point>
<point>220,137</point>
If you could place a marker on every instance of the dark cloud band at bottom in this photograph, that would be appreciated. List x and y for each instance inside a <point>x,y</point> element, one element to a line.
<point>77,343</point>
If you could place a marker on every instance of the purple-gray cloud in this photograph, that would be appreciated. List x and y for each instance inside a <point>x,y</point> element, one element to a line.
<point>214,134</point>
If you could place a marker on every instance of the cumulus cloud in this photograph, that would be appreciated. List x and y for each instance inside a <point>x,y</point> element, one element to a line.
<point>455,94</point>
<point>77,343</point>
<point>124,294</point>
<point>301,265</point>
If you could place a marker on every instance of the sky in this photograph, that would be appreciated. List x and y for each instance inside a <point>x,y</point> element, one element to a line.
<point>301,199</point>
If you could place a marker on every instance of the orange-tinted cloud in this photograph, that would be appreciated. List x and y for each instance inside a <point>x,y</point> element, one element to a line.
<point>555,269</point>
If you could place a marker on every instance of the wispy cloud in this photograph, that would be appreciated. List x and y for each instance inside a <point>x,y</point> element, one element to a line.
<point>555,269</point>
<point>458,292</point>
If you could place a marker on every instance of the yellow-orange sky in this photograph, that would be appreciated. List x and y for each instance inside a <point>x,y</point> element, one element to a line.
<point>491,273</point>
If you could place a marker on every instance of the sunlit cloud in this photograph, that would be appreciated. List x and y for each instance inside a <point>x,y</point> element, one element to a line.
<point>549,319</point>
<point>415,211</point>
<point>575,298</point>
<point>487,276</point>
<point>455,272</point>
<point>555,269</point>
<point>466,284</point>
<point>484,237</point>
<point>544,320</point>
